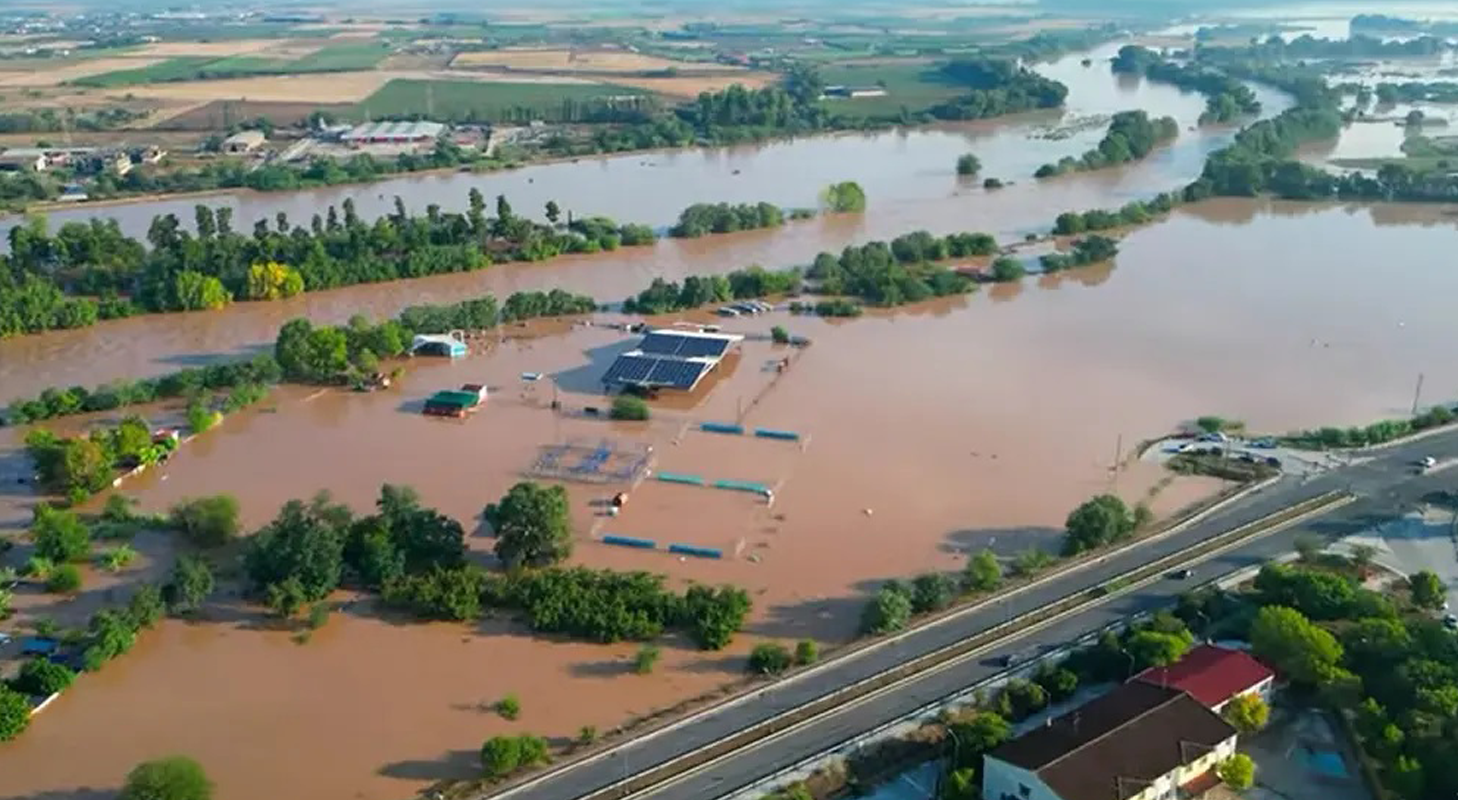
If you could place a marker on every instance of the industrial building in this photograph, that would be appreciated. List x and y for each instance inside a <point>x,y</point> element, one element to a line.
<point>393,133</point>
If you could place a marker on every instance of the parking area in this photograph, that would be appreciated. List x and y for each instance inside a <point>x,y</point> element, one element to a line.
<point>1301,463</point>
<point>1420,540</point>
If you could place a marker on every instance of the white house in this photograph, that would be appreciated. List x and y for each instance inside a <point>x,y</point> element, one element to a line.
<point>1141,741</point>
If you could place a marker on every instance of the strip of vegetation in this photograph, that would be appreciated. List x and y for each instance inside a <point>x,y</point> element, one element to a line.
<point>1132,135</point>
<point>1135,212</point>
<point>54,281</point>
<point>701,219</point>
<point>1226,99</point>
<point>1092,249</point>
<point>1377,433</point>
<point>662,297</point>
<point>997,87</point>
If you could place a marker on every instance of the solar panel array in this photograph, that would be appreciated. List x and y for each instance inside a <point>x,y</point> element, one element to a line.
<point>651,371</point>
<point>667,344</point>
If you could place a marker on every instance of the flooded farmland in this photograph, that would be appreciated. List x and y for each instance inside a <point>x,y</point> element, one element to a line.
<point>930,430</point>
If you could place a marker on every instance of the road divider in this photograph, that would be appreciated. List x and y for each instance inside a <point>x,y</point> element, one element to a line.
<point>677,767</point>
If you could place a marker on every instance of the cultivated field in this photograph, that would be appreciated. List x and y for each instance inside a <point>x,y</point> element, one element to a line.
<point>67,72</point>
<point>691,85</point>
<point>566,60</point>
<point>330,87</point>
<point>207,49</point>
<point>483,100</point>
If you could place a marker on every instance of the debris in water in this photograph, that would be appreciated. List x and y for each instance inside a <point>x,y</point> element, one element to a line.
<point>868,512</point>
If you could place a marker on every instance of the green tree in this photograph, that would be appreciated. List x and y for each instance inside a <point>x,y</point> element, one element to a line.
<point>1237,772</point>
<point>806,652</point>
<point>1428,590</point>
<point>554,212</point>
<point>171,778</point>
<point>982,573</point>
<point>196,292</point>
<point>1294,645</point>
<point>304,542</point>
<point>713,615</point>
<point>189,584</point>
<point>1102,520</point>
<point>146,606</point>
<point>932,591</point>
<point>509,707</point>
<point>628,407</point>
<point>968,164</point>
<point>207,521</point>
<point>65,579</point>
<point>285,597</point>
<point>1248,713</point>
<point>199,417</point>
<point>60,536</point>
<point>14,713</point>
<point>532,525</point>
<point>961,784</point>
<point>846,196</point>
<point>779,335</point>
<point>888,611</point>
<point>984,732</point>
<point>1006,269</point>
<point>645,659</point>
<point>770,658</point>
<point>1152,648</point>
<point>42,677</point>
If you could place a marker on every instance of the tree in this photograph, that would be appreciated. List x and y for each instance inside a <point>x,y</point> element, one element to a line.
<point>645,659</point>
<point>931,591</point>
<point>779,335</point>
<point>146,606</point>
<point>1428,590</point>
<point>14,713</point>
<point>42,678</point>
<point>304,542</point>
<point>532,525</point>
<point>713,615</point>
<point>1294,645</point>
<point>806,652</point>
<point>60,536</point>
<point>889,610</point>
<point>273,281</point>
<point>1248,713</point>
<point>770,658</point>
<point>628,407</point>
<point>1102,520</point>
<point>1237,772</point>
<point>1363,555</point>
<point>1006,269</point>
<point>554,212</point>
<point>985,732</point>
<point>197,292</point>
<point>509,707</point>
<point>172,778</point>
<point>1152,648</point>
<point>65,579</point>
<point>207,521</point>
<point>188,586</point>
<point>968,164</point>
<point>843,197</point>
<point>982,573</point>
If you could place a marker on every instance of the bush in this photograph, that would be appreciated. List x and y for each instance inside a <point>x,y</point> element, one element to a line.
<point>200,417</point>
<point>968,164</point>
<point>64,579</point>
<point>1006,269</point>
<point>118,558</point>
<point>646,659</point>
<point>318,615</point>
<point>500,756</point>
<point>508,707</point>
<point>932,591</point>
<point>41,677</point>
<point>207,521</point>
<point>770,658</point>
<point>806,652</point>
<point>60,536</point>
<point>890,610</point>
<point>14,713</point>
<point>779,335</point>
<point>587,734</point>
<point>628,407</point>
<point>1237,772</point>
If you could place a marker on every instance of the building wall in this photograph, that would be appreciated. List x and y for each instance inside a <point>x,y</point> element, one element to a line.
<point>1262,690</point>
<point>1166,787</point>
<point>1003,781</point>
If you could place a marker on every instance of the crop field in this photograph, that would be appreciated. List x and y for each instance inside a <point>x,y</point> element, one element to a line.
<point>915,85</point>
<point>233,47</point>
<point>684,86</point>
<point>342,57</point>
<point>326,87</point>
<point>220,114</point>
<point>76,71</point>
<point>568,60</point>
<point>483,101</point>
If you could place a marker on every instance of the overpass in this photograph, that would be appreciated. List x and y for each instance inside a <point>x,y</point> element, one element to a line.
<point>701,757</point>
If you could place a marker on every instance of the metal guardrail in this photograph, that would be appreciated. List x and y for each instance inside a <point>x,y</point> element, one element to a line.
<point>666,771</point>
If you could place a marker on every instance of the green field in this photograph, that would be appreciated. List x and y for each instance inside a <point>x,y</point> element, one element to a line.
<point>331,58</point>
<point>472,101</point>
<point>915,85</point>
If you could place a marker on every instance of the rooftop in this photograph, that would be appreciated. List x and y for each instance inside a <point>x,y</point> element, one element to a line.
<point>396,130</point>
<point>671,358</point>
<point>1112,747</point>
<point>246,137</point>
<point>1211,674</point>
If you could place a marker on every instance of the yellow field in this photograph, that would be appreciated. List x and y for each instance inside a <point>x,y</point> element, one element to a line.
<point>692,85</point>
<point>79,69</point>
<point>563,60</point>
<point>238,47</point>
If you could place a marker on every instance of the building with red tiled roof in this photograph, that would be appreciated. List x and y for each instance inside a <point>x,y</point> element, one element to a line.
<point>1214,675</point>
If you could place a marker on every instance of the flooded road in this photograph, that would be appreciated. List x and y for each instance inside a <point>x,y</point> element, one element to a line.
<point>934,430</point>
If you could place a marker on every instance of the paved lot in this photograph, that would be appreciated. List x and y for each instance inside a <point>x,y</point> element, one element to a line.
<point>1419,540</point>
<point>1300,756</point>
<point>1385,482</point>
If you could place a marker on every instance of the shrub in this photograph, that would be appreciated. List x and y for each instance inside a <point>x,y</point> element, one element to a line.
<point>42,677</point>
<point>779,335</point>
<point>645,659</point>
<point>806,652</point>
<point>207,521</point>
<point>770,658</point>
<point>118,558</point>
<point>500,756</point>
<point>60,536</point>
<point>587,734</point>
<point>318,615</point>
<point>64,579</point>
<point>1237,772</point>
<point>628,407</point>
<point>14,713</point>
<point>1006,269</point>
<point>968,164</point>
<point>888,611</point>
<point>932,591</point>
<point>200,417</point>
<point>508,707</point>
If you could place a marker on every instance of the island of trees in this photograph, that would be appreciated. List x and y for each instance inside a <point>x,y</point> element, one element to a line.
<point>1131,136</point>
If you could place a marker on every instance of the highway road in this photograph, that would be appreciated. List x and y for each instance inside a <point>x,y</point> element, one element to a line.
<point>1385,482</point>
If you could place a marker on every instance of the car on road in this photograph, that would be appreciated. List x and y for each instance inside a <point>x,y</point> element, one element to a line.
<point>1264,443</point>
<point>1182,574</point>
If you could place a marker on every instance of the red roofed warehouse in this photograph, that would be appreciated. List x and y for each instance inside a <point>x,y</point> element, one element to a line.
<point>1214,675</point>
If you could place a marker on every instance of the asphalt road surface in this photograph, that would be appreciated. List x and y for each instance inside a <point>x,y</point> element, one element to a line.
<point>1387,484</point>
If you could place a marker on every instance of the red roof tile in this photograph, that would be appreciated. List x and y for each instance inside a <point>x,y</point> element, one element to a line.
<point>1210,674</point>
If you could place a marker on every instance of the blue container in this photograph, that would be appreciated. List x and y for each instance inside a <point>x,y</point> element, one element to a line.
<point>742,486</point>
<point>690,550</point>
<point>721,427</point>
<point>628,541</point>
<point>770,433</point>
<point>678,477</point>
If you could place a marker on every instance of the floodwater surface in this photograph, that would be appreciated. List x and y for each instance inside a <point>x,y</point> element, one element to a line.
<point>931,431</point>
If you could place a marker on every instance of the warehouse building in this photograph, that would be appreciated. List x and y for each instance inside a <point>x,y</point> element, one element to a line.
<point>393,133</point>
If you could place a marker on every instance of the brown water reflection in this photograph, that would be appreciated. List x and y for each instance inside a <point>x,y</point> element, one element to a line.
<point>955,425</point>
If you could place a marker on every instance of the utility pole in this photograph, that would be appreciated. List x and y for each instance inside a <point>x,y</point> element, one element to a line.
<point>1416,394</point>
<point>1114,467</point>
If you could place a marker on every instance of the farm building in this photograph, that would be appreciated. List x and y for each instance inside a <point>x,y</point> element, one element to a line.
<point>393,133</point>
<point>244,142</point>
<point>13,161</point>
<point>451,344</point>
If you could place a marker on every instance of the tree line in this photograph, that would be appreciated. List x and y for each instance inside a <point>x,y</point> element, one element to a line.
<point>91,270</point>
<point>1130,137</point>
<point>1226,99</point>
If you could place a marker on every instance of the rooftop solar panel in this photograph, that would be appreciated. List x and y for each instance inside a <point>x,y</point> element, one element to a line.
<point>661,344</point>
<point>677,374</point>
<point>629,369</point>
<point>694,347</point>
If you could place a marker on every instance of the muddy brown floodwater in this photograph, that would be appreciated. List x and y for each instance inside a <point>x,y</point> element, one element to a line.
<point>963,423</point>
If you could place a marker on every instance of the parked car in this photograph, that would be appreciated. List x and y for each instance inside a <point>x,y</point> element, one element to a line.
<point>1264,443</point>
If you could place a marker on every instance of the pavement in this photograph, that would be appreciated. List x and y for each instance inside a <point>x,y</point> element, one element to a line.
<point>1384,481</point>
<point>1421,539</point>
